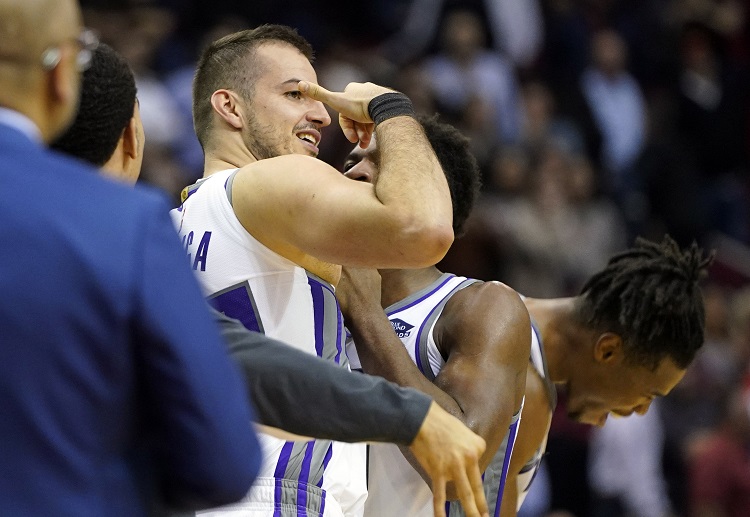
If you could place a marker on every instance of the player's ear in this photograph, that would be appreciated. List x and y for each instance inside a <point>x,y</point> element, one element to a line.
<point>608,348</point>
<point>227,105</point>
<point>130,144</point>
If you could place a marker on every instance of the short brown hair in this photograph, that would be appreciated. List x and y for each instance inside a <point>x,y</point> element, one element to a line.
<point>229,63</point>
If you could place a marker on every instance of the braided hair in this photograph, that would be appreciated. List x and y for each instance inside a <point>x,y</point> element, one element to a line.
<point>650,296</point>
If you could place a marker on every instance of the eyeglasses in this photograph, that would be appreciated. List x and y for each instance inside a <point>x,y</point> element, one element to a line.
<point>87,41</point>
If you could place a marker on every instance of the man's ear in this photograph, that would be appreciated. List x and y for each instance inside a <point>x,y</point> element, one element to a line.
<point>130,139</point>
<point>608,348</point>
<point>225,104</point>
<point>60,86</point>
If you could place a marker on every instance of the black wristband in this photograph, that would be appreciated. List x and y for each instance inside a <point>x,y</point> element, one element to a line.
<point>389,105</point>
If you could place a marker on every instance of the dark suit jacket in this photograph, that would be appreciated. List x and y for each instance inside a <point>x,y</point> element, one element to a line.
<point>114,383</point>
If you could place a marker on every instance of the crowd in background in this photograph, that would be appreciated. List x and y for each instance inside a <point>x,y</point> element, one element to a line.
<point>594,121</point>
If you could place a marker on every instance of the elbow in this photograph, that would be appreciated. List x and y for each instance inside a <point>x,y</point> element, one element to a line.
<point>426,245</point>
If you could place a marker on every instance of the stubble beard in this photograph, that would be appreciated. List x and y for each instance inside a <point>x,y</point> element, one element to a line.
<point>263,140</point>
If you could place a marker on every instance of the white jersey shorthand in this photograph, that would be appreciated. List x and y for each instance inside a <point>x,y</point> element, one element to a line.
<point>539,361</point>
<point>268,293</point>
<point>394,487</point>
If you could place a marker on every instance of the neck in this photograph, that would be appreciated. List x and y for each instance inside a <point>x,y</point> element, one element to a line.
<point>231,156</point>
<point>397,284</point>
<point>561,337</point>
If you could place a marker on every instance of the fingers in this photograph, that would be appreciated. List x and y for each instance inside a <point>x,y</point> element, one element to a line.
<point>348,127</point>
<point>317,92</point>
<point>477,490</point>
<point>438,496</point>
<point>339,101</point>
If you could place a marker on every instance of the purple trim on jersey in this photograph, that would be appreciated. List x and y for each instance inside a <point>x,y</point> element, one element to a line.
<point>417,357</point>
<point>327,458</point>
<point>340,343</point>
<point>286,452</point>
<point>316,290</point>
<point>506,463</point>
<point>447,509</point>
<point>319,316</point>
<point>236,302</point>
<point>422,298</point>
<point>304,476</point>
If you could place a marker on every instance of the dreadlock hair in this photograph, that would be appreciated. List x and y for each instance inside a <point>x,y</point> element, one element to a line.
<point>230,62</point>
<point>459,165</point>
<point>107,102</point>
<point>650,296</point>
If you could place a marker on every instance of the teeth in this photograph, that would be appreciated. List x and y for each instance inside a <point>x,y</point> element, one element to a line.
<point>308,138</point>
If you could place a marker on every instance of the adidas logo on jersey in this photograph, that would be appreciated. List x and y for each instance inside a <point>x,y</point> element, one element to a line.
<point>401,328</point>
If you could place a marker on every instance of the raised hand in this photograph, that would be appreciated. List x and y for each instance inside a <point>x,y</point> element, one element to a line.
<point>358,292</point>
<point>352,104</point>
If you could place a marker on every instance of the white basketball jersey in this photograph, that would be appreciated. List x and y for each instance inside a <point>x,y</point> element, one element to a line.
<point>394,487</point>
<point>270,294</point>
<point>539,360</point>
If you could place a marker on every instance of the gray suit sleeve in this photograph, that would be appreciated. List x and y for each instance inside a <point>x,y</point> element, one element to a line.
<point>306,395</point>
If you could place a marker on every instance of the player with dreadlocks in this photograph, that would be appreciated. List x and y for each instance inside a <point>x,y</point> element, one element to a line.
<point>625,340</point>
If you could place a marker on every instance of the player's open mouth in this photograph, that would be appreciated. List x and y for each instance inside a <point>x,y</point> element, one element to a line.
<point>311,138</point>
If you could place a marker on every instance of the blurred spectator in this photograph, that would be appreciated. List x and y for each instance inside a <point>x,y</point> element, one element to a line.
<point>559,232</point>
<point>667,197</point>
<point>617,104</point>
<point>712,121</point>
<point>516,27</point>
<point>625,470</point>
<point>540,122</point>
<point>596,231</point>
<point>532,229</point>
<point>179,82</point>
<point>466,72</point>
<point>720,464</point>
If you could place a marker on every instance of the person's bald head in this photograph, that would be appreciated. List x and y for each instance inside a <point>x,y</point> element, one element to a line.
<point>46,93</point>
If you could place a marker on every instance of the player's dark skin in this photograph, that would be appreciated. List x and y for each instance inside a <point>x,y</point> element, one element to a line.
<point>484,333</point>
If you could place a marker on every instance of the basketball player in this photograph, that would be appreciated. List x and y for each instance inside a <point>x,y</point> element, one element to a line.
<point>626,339</point>
<point>268,225</point>
<point>288,387</point>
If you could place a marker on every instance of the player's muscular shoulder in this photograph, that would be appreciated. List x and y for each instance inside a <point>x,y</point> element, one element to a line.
<point>477,314</point>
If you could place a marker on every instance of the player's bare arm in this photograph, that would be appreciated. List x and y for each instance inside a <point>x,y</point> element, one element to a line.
<point>484,332</point>
<point>298,205</point>
<point>535,421</point>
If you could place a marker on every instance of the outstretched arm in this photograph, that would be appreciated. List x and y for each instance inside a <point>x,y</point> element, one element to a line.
<point>297,204</point>
<point>290,389</point>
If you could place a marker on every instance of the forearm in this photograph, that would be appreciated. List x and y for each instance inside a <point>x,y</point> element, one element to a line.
<point>413,186</point>
<point>291,390</point>
<point>381,353</point>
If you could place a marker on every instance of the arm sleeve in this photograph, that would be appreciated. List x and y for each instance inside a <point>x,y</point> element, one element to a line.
<point>291,389</point>
<point>199,415</point>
